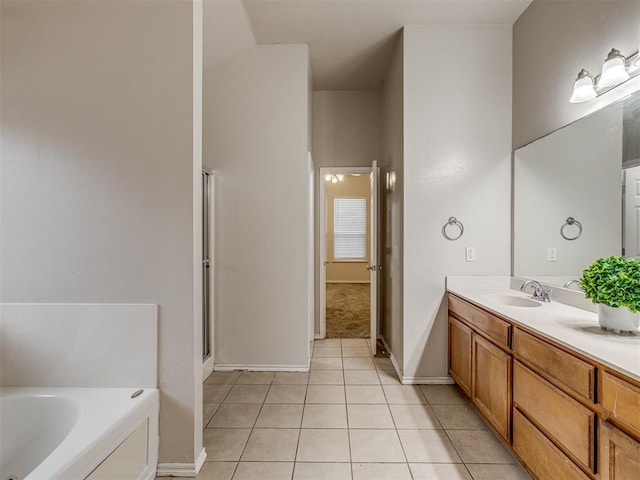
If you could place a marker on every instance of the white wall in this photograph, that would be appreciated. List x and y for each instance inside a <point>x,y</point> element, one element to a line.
<point>552,41</point>
<point>574,172</point>
<point>96,173</point>
<point>347,128</point>
<point>66,345</point>
<point>227,31</point>
<point>256,140</point>
<point>393,211</point>
<point>457,148</point>
<point>346,132</point>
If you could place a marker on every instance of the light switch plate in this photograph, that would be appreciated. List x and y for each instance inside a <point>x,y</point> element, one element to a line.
<point>552,254</point>
<point>470,254</point>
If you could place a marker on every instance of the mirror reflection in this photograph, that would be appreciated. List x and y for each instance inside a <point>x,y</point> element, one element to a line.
<point>576,195</point>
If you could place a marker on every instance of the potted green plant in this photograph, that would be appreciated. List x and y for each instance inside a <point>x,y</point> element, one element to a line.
<point>613,284</point>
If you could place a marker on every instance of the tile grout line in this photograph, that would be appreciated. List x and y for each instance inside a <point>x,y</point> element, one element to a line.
<point>304,407</point>
<point>346,408</point>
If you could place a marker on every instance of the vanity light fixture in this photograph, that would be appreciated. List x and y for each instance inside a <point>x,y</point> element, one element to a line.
<point>615,71</point>
<point>584,88</point>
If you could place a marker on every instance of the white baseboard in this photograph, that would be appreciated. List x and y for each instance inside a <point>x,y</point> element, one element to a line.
<point>207,368</point>
<point>317,336</point>
<point>396,367</point>
<point>182,469</point>
<point>149,473</point>
<point>427,381</point>
<point>229,367</point>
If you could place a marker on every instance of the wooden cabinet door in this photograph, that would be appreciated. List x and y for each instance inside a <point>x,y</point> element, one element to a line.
<point>460,354</point>
<point>490,384</point>
<point>619,454</point>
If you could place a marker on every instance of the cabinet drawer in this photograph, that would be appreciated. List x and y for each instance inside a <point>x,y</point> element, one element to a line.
<point>567,422</point>
<point>484,322</point>
<point>564,369</point>
<point>541,456</point>
<point>621,400</point>
<point>619,454</point>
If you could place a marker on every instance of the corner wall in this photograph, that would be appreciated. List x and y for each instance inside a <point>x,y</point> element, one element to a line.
<point>391,318</point>
<point>256,141</point>
<point>457,151</point>
<point>96,180</point>
<point>552,41</point>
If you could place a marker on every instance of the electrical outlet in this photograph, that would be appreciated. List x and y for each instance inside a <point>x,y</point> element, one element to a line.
<point>470,254</point>
<point>552,254</point>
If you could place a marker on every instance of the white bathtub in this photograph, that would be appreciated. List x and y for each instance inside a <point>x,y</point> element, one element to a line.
<point>65,433</point>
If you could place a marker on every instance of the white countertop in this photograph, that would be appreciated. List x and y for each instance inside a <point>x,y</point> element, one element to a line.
<point>570,326</point>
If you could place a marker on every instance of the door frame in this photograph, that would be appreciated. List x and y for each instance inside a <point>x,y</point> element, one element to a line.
<point>207,363</point>
<point>322,238</point>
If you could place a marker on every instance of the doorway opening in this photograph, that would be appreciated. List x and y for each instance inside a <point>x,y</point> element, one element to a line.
<point>349,253</point>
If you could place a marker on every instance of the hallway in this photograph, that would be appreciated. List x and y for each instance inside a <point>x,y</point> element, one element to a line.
<point>349,418</point>
<point>348,310</point>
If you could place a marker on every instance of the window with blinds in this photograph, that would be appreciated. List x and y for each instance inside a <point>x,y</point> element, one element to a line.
<point>349,228</point>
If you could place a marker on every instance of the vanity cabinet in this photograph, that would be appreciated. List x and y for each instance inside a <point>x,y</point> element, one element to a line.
<point>619,454</point>
<point>490,388</point>
<point>480,363</point>
<point>566,416</point>
<point>460,354</point>
<point>559,367</point>
<point>540,455</point>
<point>621,401</point>
<point>566,422</point>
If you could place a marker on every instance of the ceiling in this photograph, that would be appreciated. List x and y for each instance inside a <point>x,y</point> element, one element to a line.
<point>351,41</point>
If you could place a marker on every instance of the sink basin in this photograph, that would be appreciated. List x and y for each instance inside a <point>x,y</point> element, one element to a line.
<point>513,301</point>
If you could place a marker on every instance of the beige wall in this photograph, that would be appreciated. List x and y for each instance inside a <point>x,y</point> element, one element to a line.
<point>346,132</point>
<point>227,31</point>
<point>96,181</point>
<point>341,271</point>
<point>392,211</point>
<point>552,41</point>
<point>457,151</point>
<point>256,141</point>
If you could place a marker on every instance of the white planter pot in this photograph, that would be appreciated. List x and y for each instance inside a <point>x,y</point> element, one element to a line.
<point>619,319</point>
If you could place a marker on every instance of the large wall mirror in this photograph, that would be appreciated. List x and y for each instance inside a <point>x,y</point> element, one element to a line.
<point>576,195</point>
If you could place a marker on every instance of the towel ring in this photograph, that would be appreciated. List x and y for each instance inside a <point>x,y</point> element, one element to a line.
<point>571,221</point>
<point>457,223</point>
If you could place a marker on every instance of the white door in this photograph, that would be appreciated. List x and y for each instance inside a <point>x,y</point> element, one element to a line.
<point>374,266</point>
<point>632,212</point>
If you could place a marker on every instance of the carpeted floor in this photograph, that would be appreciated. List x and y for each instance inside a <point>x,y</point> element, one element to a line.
<point>348,310</point>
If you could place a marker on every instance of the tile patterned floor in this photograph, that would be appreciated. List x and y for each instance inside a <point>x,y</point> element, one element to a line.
<point>349,418</point>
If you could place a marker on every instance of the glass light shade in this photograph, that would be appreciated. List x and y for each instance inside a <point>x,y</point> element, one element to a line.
<point>327,177</point>
<point>614,70</point>
<point>583,88</point>
<point>340,177</point>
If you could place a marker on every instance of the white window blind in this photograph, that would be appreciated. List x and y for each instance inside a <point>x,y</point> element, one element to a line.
<point>349,228</point>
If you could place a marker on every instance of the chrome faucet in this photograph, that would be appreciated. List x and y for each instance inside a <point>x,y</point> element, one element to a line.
<point>539,292</point>
<point>571,282</point>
